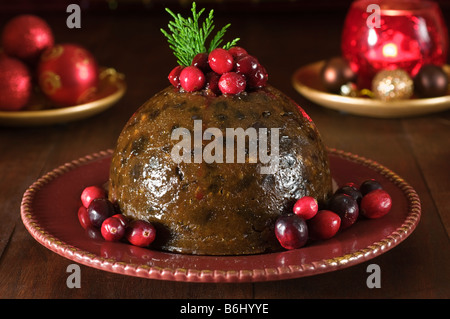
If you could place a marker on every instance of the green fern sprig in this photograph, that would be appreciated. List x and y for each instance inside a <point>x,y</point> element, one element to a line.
<point>187,38</point>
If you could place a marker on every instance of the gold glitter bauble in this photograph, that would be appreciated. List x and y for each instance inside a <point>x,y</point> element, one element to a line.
<point>391,85</point>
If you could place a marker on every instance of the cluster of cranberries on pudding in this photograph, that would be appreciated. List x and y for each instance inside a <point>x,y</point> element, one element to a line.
<point>221,71</point>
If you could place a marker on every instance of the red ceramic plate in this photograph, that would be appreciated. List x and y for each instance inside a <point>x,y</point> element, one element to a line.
<point>49,212</point>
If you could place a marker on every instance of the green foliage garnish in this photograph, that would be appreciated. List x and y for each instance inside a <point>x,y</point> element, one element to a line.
<point>187,38</point>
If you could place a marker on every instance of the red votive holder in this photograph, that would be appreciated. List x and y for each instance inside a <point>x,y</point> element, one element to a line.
<point>391,34</point>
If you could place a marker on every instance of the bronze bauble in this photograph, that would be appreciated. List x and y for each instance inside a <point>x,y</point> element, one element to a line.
<point>335,73</point>
<point>431,81</point>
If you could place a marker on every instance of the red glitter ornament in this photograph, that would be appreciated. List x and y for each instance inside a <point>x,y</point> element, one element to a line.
<point>15,84</point>
<point>26,36</point>
<point>401,34</point>
<point>68,74</point>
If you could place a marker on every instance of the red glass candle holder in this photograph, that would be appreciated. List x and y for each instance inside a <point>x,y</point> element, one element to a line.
<point>383,34</point>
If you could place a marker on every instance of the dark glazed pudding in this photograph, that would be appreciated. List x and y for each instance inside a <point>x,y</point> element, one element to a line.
<point>216,208</point>
<point>219,205</point>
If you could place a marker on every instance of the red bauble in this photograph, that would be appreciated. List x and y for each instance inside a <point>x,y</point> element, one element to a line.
<point>15,84</point>
<point>68,74</point>
<point>26,37</point>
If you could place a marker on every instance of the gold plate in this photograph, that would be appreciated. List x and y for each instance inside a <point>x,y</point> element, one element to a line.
<point>306,80</point>
<point>111,88</point>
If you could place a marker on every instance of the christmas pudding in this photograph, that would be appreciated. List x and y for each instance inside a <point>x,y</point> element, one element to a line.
<point>215,158</point>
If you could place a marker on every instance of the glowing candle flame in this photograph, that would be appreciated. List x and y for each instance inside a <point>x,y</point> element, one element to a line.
<point>390,50</point>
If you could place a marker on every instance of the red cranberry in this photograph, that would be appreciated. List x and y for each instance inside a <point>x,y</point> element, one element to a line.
<point>83,217</point>
<point>346,207</point>
<point>192,79</point>
<point>237,52</point>
<point>122,218</point>
<point>351,191</point>
<point>99,210</point>
<point>90,193</point>
<point>291,231</point>
<point>306,207</point>
<point>201,61</point>
<point>258,78</point>
<point>174,76</point>
<point>140,233</point>
<point>324,225</point>
<point>352,184</point>
<point>112,229</point>
<point>246,65</point>
<point>220,61</point>
<point>199,194</point>
<point>232,83</point>
<point>376,204</point>
<point>93,232</point>
<point>212,82</point>
<point>368,186</point>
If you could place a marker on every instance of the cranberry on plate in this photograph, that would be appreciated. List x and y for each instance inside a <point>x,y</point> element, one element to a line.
<point>90,193</point>
<point>291,231</point>
<point>324,225</point>
<point>306,207</point>
<point>346,207</point>
<point>376,204</point>
<point>113,229</point>
<point>99,210</point>
<point>140,233</point>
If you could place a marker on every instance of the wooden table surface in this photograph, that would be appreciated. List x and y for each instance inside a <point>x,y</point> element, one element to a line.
<point>417,149</point>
